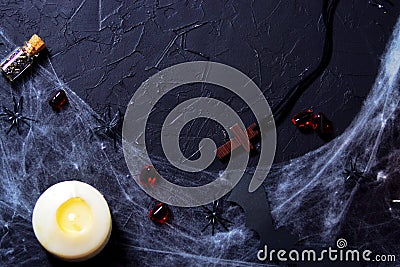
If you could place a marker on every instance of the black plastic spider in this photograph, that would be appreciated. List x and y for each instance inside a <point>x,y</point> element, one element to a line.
<point>109,125</point>
<point>353,174</point>
<point>213,216</point>
<point>15,117</point>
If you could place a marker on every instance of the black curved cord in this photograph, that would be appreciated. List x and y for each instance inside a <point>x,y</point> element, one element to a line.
<point>281,110</point>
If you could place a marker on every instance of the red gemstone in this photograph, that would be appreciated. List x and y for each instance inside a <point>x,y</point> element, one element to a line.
<point>304,120</point>
<point>148,176</point>
<point>58,100</point>
<point>160,213</point>
<point>322,125</point>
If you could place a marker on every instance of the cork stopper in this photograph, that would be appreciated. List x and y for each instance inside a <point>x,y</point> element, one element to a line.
<point>34,45</point>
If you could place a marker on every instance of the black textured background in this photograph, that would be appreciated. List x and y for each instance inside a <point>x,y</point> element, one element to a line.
<point>105,49</point>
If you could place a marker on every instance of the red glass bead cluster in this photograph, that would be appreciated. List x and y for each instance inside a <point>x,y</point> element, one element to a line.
<point>307,121</point>
<point>304,120</point>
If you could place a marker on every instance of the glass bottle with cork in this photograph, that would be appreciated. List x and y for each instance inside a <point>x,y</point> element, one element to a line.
<point>22,58</point>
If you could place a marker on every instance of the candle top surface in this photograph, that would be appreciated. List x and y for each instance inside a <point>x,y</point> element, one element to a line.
<point>72,220</point>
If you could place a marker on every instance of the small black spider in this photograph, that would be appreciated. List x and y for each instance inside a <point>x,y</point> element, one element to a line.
<point>353,174</point>
<point>15,117</point>
<point>213,216</point>
<point>108,125</point>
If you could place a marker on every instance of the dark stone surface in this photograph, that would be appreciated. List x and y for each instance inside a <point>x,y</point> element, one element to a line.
<point>103,50</point>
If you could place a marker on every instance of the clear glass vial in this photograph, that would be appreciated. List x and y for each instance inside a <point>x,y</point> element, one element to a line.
<point>21,58</point>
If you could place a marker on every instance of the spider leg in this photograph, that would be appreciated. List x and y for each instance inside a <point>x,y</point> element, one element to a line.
<point>8,112</point>
<point>112,124</point>
<point>24,122</point>
<point>207,209</point>
<point>15,105</point>
<point>215,205</point>
<point>91,136</point>
<point>108,113</point>
<point>115,120</point>
<point>10,128</point>
<point>92,133</point>
<point>221,221</point>
<point>98,129</point>
<point>214,218</point>
<point>108,131</point>
<point>18,125</point>
<point>20,104</point>
<point>361,174</point>
<point>27,119</point>
<point>101,121</point>
<point>107,124</point>
<point>118,114</point>
<point>117,135</point>
<point>347,174</point>
<point>115,140</point>
<point>208,224</point>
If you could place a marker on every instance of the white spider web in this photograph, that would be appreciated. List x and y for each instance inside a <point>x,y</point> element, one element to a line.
<point>307,194</point>
<point>60,146</point>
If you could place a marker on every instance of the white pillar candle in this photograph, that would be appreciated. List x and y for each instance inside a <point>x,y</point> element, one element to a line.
<point>72,221</point>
